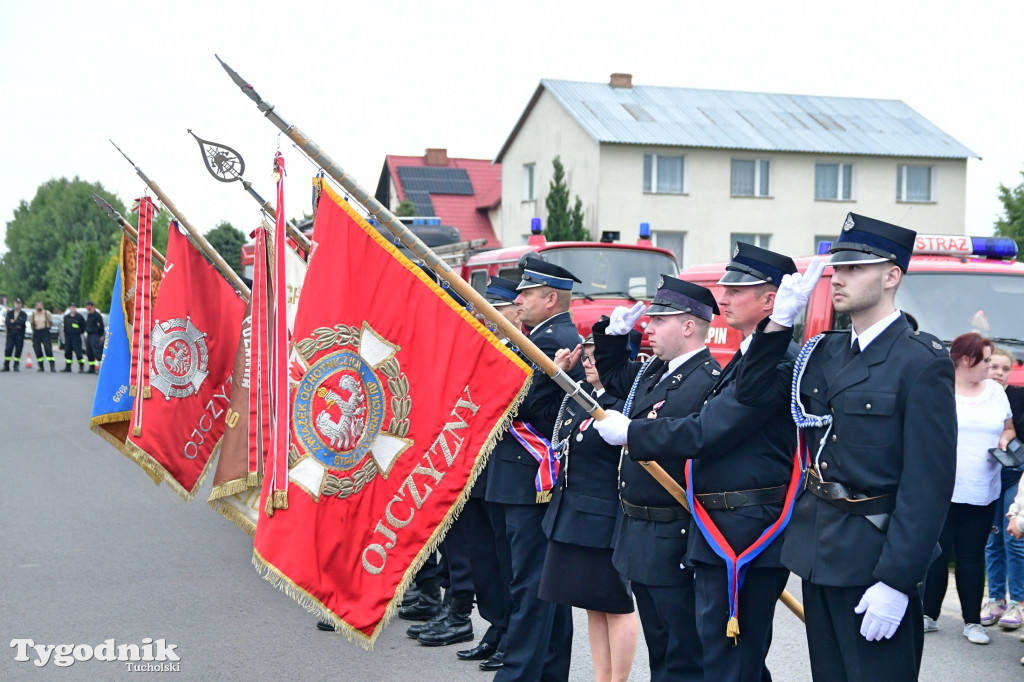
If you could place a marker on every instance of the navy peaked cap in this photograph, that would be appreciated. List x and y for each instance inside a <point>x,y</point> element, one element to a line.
<point>540,273</point>
<point>866,240</point>
<point>675,296</point>
<point>500,291</point>
<point>753,265</point>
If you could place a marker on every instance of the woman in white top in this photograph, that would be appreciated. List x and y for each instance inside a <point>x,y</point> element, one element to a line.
<point>983,422</point>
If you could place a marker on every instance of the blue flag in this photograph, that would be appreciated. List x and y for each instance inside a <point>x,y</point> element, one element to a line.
<point>112,406</point>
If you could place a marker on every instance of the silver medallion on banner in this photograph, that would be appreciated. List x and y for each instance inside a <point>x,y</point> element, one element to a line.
<point>180,358</point>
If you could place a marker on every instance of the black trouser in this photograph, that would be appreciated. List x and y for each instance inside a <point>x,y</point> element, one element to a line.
<point>743,661</point>
<point>839,653</point>
<point>41,341</point>
<point>670,630</point>
<point>12,351</point>
<point>73,344</point>
<point>94,349</point>
<point>456,576</point>
<point>964,535</point>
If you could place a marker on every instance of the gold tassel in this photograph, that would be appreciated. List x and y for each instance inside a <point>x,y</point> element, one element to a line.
<point>137,431</point>
<point>543,496</point>
<point>733,630</point>
<point>133,390</point>
<point>253,479</point>
<point>268,509</point>
<point>147,392</point>
<point>280,499</point>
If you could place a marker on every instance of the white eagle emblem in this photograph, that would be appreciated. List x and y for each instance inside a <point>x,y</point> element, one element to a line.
<point>344,433</point>
<point>179,358</point>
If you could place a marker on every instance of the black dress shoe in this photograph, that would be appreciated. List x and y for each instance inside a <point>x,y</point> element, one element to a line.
<point>425,608</point>
<point>495,662</point>
<point>324,626</point>
<point>416,629</point>
<point>480,652</point>
<point>411,596</point>
<point>454,629</point>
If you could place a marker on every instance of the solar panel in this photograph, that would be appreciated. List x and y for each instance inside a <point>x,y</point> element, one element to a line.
<point>420,201</point>
<point>435,180</point>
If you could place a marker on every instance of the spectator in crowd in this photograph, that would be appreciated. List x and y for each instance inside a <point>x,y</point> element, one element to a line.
<point>41,321</point>
<point>1015,525</point>
<point>983,422</point>
<point>1004,554</point>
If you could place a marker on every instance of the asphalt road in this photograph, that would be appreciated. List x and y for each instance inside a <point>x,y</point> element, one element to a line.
<point>91,550</point>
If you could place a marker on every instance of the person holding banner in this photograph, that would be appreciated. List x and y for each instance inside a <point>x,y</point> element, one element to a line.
<point>741,480</point>
<point>520,475</point>
<point>652,538</point>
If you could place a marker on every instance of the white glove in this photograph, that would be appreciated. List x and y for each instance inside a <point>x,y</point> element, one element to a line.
<point>794,290</point>
<point>885,609</point>
<point>624,319</point>
<point>614,428</point>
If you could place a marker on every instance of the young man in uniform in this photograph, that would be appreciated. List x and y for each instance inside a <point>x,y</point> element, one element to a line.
<point>652,537</point>
<point>96,331</point>
<point>740,481</point>
<point>520,474</point>
<point>14,324</point>
<point>74,326</point>
<point>42,320</point>
<point>878,405</point>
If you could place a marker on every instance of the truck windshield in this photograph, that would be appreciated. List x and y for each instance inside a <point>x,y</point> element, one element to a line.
<point>950,304</point>
<point>614,272</point>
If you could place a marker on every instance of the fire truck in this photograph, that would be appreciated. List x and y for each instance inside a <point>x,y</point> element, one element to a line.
<point>954,285</point>
<point>613,274</point>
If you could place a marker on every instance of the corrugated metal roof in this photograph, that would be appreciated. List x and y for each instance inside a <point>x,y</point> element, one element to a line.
<point>686,117</point>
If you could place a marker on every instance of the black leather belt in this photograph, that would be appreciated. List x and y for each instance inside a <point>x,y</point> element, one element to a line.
<point>875,509</point>
<point>743,498</point>
<point>659,514</point>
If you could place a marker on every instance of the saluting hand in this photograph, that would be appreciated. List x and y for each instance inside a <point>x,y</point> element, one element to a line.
<point>793,293</point>
<point>614,428</point>
<point>623,319</point>
<point>566,359</point>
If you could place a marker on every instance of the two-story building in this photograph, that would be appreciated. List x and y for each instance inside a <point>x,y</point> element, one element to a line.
<point>708,168</point>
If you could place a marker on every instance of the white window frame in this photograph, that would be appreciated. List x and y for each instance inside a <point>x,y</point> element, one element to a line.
<point>654,173</point>
<point>757,179</point>
<point>763,241</point>
<point>529,182</point>
<point>670,236</point>
<point>839,180</point>
<point>901,184</point>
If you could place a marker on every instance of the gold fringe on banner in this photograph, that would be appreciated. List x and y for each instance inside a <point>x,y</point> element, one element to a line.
<point>96,426</point>
<point>146,461</point>
<point>228,488</point>
<point>243,522</point>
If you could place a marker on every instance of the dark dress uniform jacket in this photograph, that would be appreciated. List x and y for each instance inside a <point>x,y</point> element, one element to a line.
<point>734,447</point>
<point>511,470</point>
<point>650,552</point>
<point>74,325</point>
<point>14,324</point>
<point>895,431</point>
<point>584,508</point>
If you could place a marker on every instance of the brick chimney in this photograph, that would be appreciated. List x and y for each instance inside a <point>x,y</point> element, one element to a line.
<point>437,157</point>
<point>622,80</point>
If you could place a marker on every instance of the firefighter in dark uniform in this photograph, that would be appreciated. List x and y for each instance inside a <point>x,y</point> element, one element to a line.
<point>42,320</point>
<point>520,474</point>
<point>652,538</point>
<point>96,337</point>
<point>74,327</point>
<point>740,480</point>
<point>879,410</point>
<point>14,324</point>
<point>485,527</point>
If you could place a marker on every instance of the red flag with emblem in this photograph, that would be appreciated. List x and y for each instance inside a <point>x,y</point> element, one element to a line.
<point>194,332</point>
<point>397,395</point>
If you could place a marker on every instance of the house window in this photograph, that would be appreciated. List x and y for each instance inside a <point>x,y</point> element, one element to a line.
<point>663,174</point>
<point>672,241</point>
<point>751,178</point>
<point>833,181</point>
<point>762,240</point>
<point>529,181</point>
<point>914,183</point>
<point>821,240</point>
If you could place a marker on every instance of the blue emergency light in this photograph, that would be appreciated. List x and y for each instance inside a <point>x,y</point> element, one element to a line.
<point>1002,248</point>
<point>645,230</point>
<point>535,226</point>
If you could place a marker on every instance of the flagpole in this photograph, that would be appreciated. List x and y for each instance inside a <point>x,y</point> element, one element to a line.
<point>443,270</point>
<point>198,239</point>
<point>126,226</point>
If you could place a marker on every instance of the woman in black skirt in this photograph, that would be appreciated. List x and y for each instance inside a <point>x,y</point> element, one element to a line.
<point>581,523</point>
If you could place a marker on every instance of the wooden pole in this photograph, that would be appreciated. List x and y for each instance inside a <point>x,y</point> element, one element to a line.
<point>197,239</point>
<point>443,270</point>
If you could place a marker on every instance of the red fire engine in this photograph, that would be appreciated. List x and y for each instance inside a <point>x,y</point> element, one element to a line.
<point>613,274</point>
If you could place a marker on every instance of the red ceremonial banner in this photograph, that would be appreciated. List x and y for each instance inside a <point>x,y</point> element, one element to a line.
<point>192,347</point>
<point>397,396</point>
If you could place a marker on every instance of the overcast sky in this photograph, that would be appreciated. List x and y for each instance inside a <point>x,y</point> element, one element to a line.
<point>376,78</point>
